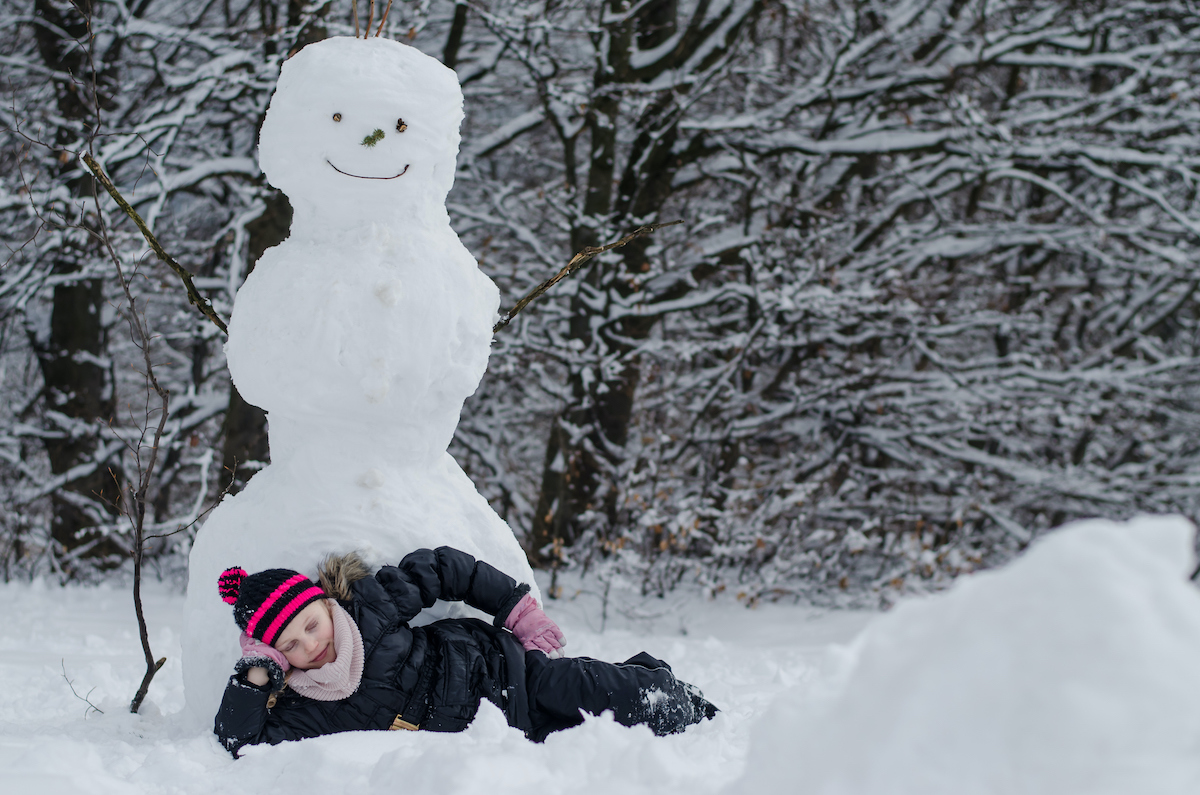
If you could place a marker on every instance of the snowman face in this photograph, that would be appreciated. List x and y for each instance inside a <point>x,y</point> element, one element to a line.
<point>370,141</point>
<point>357,139</point>
<point>362,130</point>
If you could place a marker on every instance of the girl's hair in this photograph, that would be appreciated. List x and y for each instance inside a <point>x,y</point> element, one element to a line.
<point>337,572</point>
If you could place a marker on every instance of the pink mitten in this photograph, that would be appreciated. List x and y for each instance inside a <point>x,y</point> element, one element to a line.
<point>534,628</point>
<point>253,647</point>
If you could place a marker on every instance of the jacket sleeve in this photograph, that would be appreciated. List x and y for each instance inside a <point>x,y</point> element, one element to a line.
<point>426,575</point>
<point>245,719</point>
<point>242,714</point>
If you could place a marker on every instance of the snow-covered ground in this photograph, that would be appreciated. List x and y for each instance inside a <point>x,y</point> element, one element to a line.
<point>1074,669</point>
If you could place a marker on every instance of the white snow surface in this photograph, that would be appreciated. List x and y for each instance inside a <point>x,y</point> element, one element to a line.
<point>361,335</point>
<point>1072,670</point>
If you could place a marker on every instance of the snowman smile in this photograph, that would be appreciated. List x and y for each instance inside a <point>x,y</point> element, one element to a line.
<point>358,176</point>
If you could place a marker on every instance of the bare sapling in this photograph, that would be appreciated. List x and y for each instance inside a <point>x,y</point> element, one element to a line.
<point>134,494</point>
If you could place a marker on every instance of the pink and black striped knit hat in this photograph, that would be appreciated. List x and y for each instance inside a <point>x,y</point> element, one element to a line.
<point>264,603</point>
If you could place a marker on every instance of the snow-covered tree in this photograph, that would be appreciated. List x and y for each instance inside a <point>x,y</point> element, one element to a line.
<point>168,97</point>
<point>934,290</point>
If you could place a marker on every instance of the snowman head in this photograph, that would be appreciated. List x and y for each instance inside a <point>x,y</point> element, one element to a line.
<point>362,131</point>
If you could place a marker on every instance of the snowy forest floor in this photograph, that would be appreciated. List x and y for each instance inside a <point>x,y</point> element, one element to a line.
<point>741,658</point>
<point>1070,670</point>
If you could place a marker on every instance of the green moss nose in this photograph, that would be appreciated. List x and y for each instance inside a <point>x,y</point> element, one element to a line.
<point>373,138</point>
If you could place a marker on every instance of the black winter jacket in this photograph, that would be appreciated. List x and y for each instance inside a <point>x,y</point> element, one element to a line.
<point>434,675</point>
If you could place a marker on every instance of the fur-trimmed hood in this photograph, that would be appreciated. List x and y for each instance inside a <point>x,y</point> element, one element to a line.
<point>338,572</point>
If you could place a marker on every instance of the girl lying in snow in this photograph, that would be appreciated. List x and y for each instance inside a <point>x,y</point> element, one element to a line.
<point>342,657</point>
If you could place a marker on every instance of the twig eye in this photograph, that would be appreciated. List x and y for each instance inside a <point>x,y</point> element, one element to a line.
<point>337,117</point>
<point>400,125</point>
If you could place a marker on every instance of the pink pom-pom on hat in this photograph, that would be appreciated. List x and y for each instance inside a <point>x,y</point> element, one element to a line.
<point>230,584</point>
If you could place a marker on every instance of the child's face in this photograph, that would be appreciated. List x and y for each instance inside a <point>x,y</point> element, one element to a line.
<point>307,642</point>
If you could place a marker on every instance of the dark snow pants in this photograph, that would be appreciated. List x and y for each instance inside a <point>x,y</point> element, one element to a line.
<point>641,690</point>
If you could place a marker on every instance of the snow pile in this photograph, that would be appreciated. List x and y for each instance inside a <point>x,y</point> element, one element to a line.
<point>361,336</point>
<point>1072,670</point>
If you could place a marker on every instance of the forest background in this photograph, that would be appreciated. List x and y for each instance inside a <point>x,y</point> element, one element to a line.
<point>934,291</point>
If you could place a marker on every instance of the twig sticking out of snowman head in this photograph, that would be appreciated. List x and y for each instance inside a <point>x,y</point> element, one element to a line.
<point>371,18</point>
<point>383,19</point>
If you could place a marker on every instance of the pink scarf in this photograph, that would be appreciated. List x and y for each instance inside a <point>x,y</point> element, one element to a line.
<point>338,679</point>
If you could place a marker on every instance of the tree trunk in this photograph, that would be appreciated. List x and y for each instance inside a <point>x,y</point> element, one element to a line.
<point>578,489</point>
<point>78,390</point>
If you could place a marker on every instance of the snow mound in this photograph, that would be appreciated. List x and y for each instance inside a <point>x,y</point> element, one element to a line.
<point>1073,669</point>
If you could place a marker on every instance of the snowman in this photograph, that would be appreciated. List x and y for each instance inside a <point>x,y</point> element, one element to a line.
<point>360,335</point>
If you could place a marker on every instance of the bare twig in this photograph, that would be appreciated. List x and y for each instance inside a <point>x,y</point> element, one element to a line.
<point>86,699</point>
<point>370,18</point>
<point>194,297</point>
<point>574,265</point>
<point>383,19</point>
<point>216,501</point>
<point>354,6</point>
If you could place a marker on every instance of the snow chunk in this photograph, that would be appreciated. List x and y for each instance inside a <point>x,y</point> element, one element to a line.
<point>1070,670</point>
